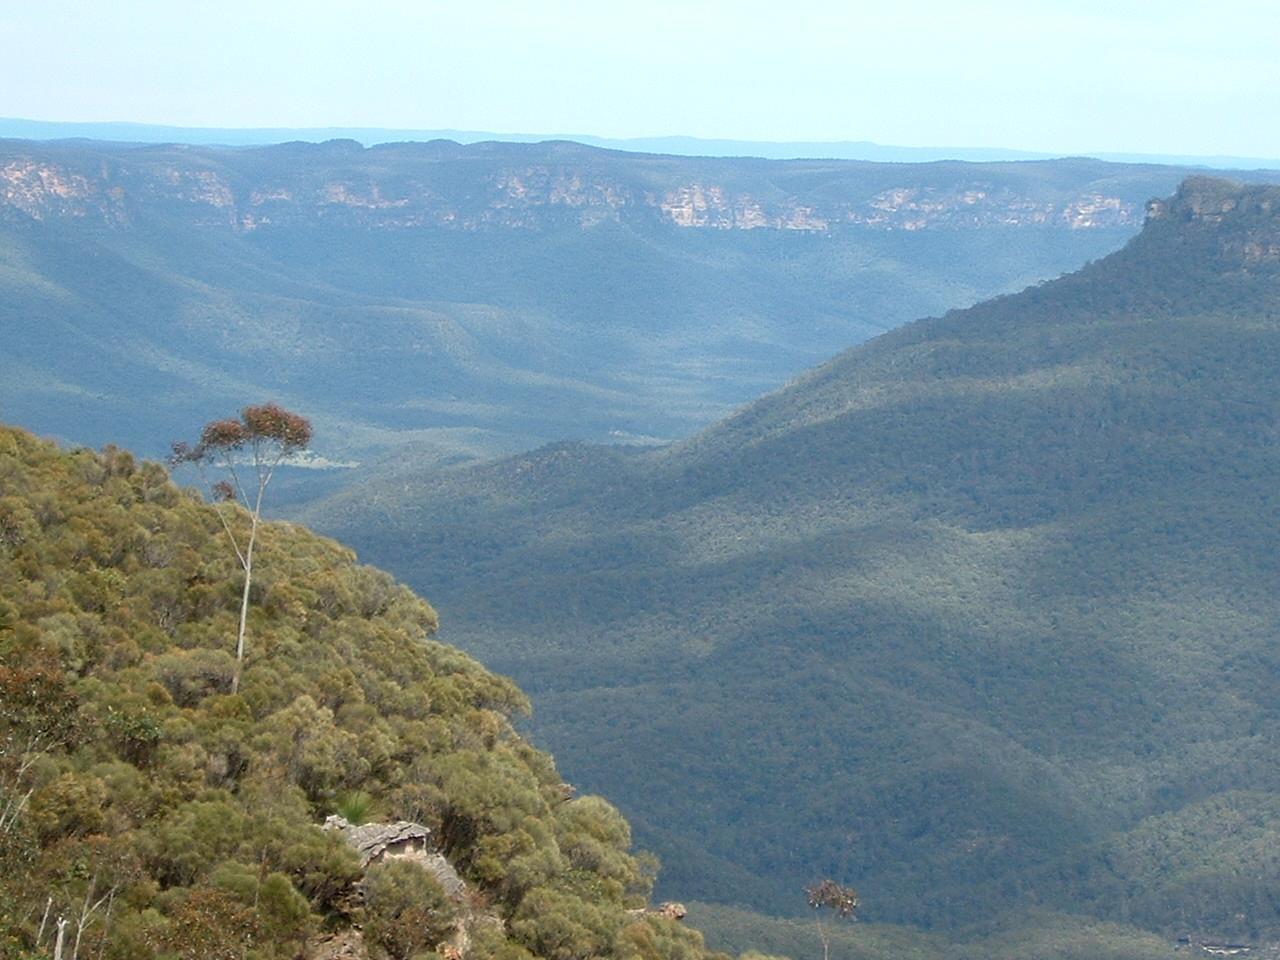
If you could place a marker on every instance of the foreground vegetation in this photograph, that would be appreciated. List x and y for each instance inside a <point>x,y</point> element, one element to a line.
<point>148,811</point>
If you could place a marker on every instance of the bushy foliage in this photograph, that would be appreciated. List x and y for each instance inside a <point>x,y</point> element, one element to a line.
<point>162,815</point>
<point>406,912</point>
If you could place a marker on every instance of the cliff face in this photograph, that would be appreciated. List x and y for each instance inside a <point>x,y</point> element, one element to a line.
<point>1242,220</point>
<point>534,187</point>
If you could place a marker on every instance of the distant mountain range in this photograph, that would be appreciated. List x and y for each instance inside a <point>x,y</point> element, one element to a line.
<point>980,616</point>
<point>487,298</point>
<point>11,127</point>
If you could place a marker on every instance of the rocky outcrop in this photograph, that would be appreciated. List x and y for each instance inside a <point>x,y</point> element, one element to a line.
<point>41,190</point>
<point>378,841</point>
<point>401,840</point>
<point>668,910</point>
<point>1213,200</point>
<point>1243,219</point>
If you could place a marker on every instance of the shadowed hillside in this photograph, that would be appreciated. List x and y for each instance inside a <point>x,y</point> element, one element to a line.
<point>979,616</point>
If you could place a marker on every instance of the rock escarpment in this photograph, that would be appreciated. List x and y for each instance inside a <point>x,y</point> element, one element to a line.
<point>534,187</point>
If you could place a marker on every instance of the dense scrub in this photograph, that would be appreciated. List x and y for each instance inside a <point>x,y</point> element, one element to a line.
<point>178,820</point>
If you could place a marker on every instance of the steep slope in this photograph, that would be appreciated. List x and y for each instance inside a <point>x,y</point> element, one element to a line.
<point>161,815</point>
<point>492,297</point>
<point>979,616</point>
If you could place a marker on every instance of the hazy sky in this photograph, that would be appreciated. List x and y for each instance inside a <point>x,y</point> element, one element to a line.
<point>1050,75</point>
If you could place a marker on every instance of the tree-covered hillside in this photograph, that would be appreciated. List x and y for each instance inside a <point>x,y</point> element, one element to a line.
<point>146,811</point>
<point>980,616</point>
<point>486,299</point>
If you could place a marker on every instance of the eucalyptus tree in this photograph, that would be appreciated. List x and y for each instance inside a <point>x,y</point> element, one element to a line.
<point>254,444</point>
<point>840,900</point>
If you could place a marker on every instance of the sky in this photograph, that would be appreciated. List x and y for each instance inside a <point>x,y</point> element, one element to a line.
<point>1077,77</point>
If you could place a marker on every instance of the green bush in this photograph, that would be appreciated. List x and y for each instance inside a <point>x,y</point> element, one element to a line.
<point>406,910</point>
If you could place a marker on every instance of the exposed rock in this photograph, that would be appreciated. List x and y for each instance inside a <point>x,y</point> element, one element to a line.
<point>444,874</point>
<point>402,840</point>
<point>377,841</point>
<point>669,910</point>
<point>1210,199</point>
<point>712,206</point>
<point>672,910</point>
<point>416,186</point>
<point>1252,235</point>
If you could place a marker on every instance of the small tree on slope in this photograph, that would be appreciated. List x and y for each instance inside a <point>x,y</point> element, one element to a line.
<point>259,441</point>
<point>840,900</point>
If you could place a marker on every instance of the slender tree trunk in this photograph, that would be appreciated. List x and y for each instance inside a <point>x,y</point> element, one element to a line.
<point>106,925</point>
<point>48,904</point>
<point>57,944</point>
<point>244,605</point>
<point>82,919</point>
<point>248,577</point>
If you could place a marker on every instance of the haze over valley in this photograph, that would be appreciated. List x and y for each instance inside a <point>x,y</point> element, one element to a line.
<point>474,300</point>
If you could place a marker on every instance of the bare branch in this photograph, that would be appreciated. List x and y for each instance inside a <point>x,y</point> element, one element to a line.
<point>235,544</point>
<point>229,464</point>
<point>87,911</point>
<point>13,807</point>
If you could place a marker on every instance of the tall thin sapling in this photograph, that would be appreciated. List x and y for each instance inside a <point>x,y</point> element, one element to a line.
<point>262,438</point>
<point>840,900</point>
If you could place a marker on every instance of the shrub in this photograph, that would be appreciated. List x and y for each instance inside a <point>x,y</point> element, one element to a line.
<point>406,910</point>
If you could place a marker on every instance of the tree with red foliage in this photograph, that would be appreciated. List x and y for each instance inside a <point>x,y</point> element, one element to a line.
<point>840,900</point>
<point>261,439</point>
